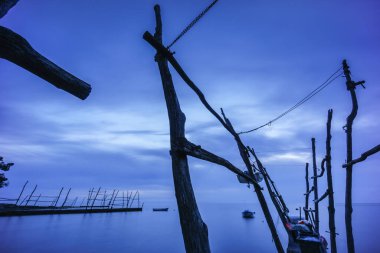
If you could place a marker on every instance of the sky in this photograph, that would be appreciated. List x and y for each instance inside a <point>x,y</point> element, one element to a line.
<point>254,59</point>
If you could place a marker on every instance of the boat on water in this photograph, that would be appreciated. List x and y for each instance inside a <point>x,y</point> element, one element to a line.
<point>160,209</point>
<point>248,214</point>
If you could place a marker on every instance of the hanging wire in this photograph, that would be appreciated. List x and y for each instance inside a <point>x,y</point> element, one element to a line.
<point>302,101</point>
<point>192,23</point>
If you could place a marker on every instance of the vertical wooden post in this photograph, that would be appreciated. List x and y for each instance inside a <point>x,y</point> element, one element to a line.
<point>22,190</point>
<point>194,230</point>
<point>315,185</point>
<point>306,209</point>
<point>350,85</point>
<point>138,199</point>
<point>330,189</point>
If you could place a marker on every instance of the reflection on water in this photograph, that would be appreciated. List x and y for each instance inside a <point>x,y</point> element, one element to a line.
<point>149,231</point>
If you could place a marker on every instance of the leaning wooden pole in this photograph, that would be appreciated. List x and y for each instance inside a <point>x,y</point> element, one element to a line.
<point>264,206</point>
<point>315,186</point>
<point>22,190</point>
<point>348,128</point>
<point>330,189</point>
<point>16,49</point>
<point>194,230</point>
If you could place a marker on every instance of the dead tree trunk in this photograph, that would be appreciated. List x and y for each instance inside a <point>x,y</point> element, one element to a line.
<point>330,189</point>
<point>315,186</point>
<point>306,208</point>
<point>348,128</point>
<point>194,230</point>
<point>168,56</point>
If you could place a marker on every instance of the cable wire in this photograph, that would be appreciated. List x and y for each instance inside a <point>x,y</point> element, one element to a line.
<point>195,20</point>
<point>329,80</point>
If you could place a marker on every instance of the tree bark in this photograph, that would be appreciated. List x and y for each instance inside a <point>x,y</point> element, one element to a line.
<point>264,206</point>
<point>16,49</point>
<point>197,151</point>
<point>315,185</point>
<point>5,6</point>
<point>274,195</point>
<point>194,230</point>
<point>348,128</point>
<point>330,188</point>
<point>306,208</point>
<point>363,156</point>
<point>164,52</point>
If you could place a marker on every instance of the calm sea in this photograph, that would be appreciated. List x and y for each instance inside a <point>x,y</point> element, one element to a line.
<point>150,231</point>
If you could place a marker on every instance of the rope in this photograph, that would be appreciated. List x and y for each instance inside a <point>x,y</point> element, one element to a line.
<point>193,23</point>
<point>301,102</point>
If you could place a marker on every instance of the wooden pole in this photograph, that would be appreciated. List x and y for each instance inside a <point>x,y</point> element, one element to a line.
<point>31,195</point>
<point>67,195</point>
<point>35,203</point>
<point>330,189</point>
<point>264,206</point>
<point>16,49</point>
<point>113,194</point>
<point>281,210</point>
<point>194,230</point>
<point>133,199</point>
<point>113,201</point>
<point>59,195</point>
<point>315,185</point>
<point>22,190</point>
<point>93,202</point>
<point>306,208</point>
<point>350,85</point>
<point>363,156</point>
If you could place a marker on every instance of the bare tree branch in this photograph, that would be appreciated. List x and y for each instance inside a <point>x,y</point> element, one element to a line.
<point>323,196</point>
<point>200,153</point>
<point>16,49</point>
<point>363,156</point>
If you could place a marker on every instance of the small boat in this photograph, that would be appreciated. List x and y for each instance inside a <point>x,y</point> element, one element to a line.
<point>248,214</point>
<point>160,209</point>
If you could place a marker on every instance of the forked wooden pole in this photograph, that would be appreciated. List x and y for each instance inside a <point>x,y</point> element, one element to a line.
<point>194,230</point>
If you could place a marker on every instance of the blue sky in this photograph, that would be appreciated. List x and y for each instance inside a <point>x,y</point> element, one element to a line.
<point>253,58</point>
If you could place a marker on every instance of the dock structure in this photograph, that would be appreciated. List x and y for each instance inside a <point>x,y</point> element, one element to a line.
<point>97,201</point>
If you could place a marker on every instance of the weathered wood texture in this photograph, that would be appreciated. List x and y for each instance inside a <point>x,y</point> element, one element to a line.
<point>306,208</point>
<point>200,153</point>
<point>264,206</point>
<point>164,52</point>
<point>16,49</point>
<point>330,189</point>
<point>348,128</point>
<point>315,186</point>
<point>363,156</point>
<point>276,198</point>
<point>5,6</point>
<point>194,230</point>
